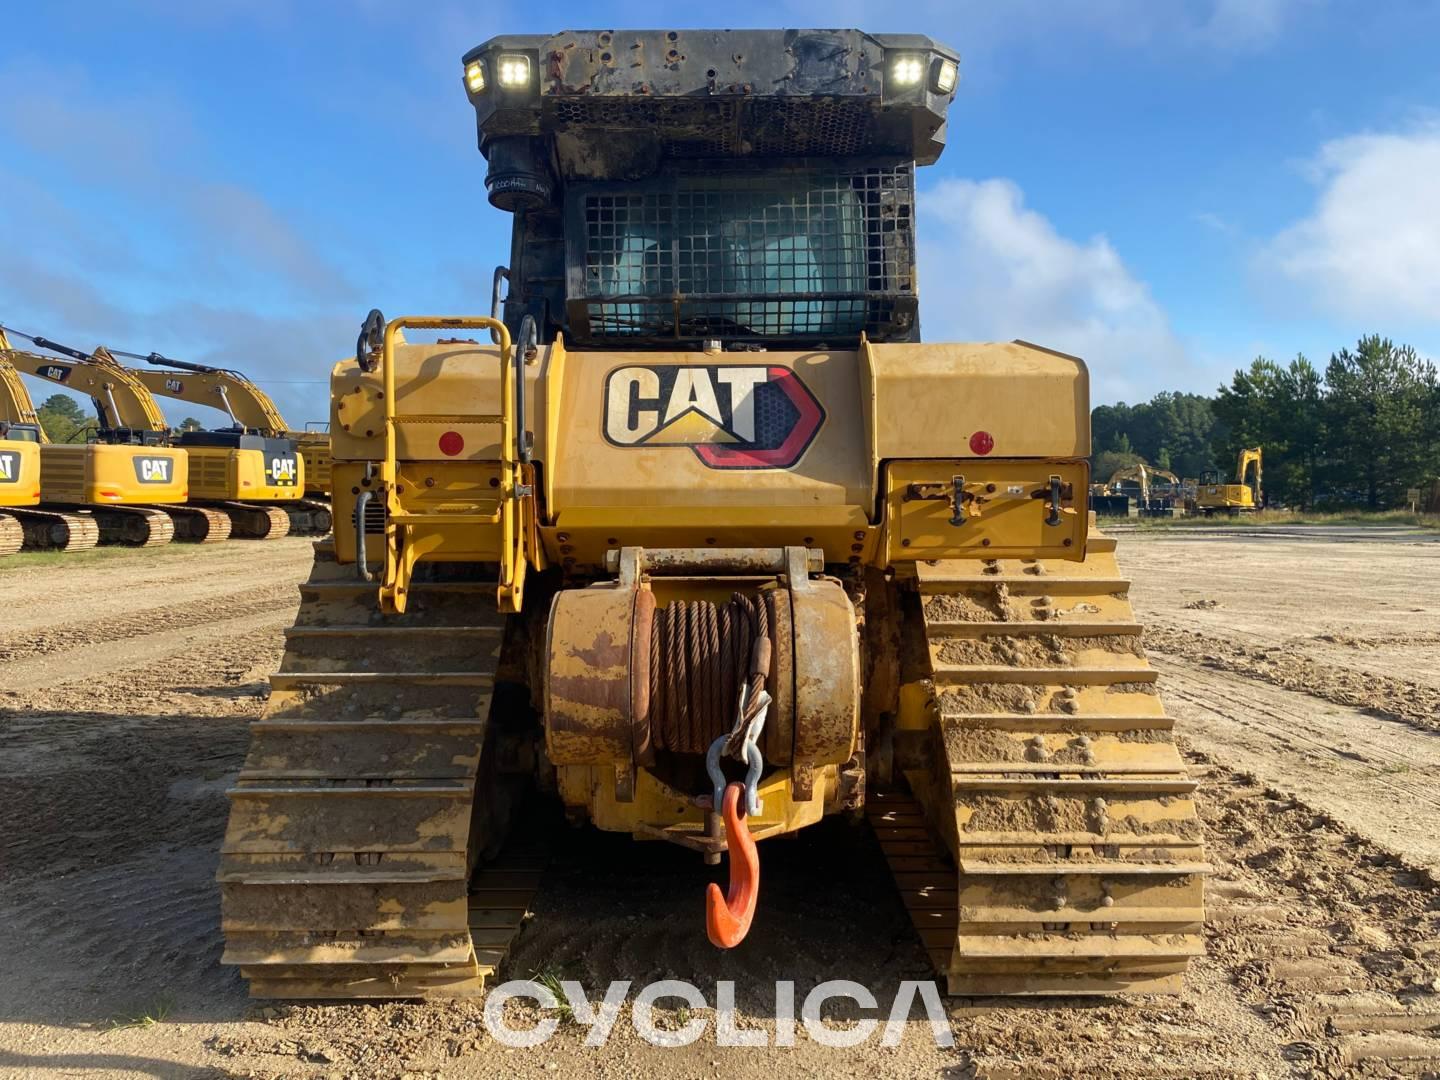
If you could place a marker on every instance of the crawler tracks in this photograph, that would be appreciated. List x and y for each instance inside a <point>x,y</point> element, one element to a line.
<point>1054,784</point>
<point>48,530</point>
<point>347,869</point>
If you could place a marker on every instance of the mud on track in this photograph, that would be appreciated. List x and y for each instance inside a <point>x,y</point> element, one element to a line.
<point>1324,947</point>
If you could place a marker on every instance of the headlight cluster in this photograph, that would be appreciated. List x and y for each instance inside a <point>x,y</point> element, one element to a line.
<point>512,72</point>
<point>906,70</point>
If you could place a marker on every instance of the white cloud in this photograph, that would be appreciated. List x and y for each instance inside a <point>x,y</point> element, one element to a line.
<point>1371,246</point>
<point>992,269</point>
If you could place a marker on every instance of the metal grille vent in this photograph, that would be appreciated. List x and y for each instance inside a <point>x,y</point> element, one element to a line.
<point>686,128</point>
<point>374,517</point>
<point>802,128</point>
<point>786,255</point>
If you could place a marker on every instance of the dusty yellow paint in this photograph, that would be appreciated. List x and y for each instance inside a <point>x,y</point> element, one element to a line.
<point>20,484</point>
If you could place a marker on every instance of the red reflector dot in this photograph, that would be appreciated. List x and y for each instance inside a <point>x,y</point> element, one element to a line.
<point>982,442</point>
<point>451,443</point>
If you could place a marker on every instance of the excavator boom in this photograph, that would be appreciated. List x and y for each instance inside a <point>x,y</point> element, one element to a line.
<point>246,404</point>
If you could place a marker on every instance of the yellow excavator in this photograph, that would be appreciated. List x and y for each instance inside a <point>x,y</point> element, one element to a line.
<point>19,481</point>
<point>1214,496</point>
<point>119,489</point>
<point>238,485</point>
<point>1143,477</point>
<point>706,544</point>
<point>255,420</point>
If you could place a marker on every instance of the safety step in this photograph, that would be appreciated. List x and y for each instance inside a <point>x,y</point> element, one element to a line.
<point>442,517</point>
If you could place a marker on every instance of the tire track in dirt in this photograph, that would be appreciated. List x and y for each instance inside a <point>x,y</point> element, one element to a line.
<point>1380,778</point>
<point>114,585</point>
<point>277,597</point>
<point>142,653</point>
<point>1280,666</point>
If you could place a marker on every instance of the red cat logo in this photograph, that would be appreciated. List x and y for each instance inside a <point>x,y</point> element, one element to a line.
<point>750,416</point>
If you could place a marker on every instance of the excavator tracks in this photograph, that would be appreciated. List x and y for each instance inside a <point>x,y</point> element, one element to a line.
<point>348,865</point>
<point>46,530</point>
<point>135,526</point>
<point>1075,857</point>
<point>12,535</point>
<point>198,524</point>
<point>257,522</point>
<point>309,517</point>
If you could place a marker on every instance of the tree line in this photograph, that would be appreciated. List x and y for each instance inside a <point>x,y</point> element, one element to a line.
<point>1362,431</point>
<point>63,420</point>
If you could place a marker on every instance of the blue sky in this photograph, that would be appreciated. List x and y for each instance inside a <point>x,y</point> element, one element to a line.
<point>1167,187</point>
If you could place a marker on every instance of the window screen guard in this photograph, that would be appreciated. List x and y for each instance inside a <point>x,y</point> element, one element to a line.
<point>802,255</point>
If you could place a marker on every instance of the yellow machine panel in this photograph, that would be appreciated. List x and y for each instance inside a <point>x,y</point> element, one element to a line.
<point>19,473</point>
<point>983,508</point>
<point>218,473</point>
<point>912,411</point>
<point>117,474</point>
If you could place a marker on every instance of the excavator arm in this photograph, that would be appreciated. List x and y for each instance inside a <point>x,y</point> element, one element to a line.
<point>232,393</point>
<point>16,407</point>
<point>1250,455</point>
<point>122,402</point>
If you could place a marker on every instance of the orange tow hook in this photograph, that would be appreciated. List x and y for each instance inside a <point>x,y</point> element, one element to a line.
<point>728,917</point>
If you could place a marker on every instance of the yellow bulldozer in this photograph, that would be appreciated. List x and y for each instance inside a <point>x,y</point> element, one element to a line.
<point>706,545</point>
<point>1215,496</point>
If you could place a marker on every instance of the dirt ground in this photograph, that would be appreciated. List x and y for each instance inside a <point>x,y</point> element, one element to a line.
<point>1302,670</point>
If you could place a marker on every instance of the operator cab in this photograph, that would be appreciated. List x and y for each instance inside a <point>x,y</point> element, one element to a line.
<point>19,432</point>
<point>754,188</point>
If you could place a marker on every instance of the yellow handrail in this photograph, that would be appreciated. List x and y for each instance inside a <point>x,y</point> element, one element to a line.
<point>399,561</point>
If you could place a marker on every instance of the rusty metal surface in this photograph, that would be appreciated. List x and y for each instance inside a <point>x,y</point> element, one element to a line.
<point>727,561</point>
<point>641,744</point>
<point>611,97</point>
<point>827,673</point>
<point>588,676</point>
<point>778,739</point>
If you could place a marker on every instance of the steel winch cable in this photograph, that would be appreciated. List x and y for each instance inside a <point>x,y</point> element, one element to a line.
<point>701,655</point>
